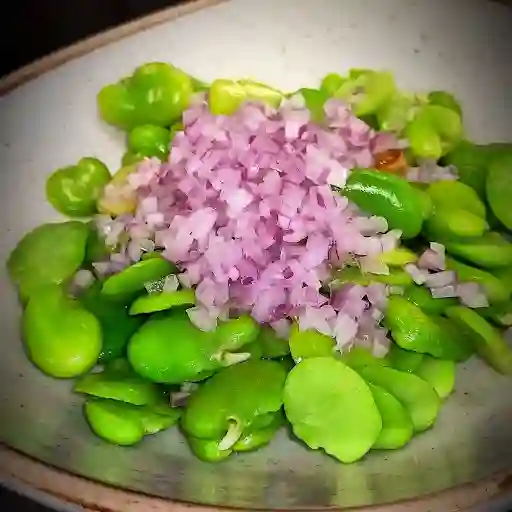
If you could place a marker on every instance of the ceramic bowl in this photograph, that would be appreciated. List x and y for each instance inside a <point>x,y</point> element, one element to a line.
<point>48,119</point>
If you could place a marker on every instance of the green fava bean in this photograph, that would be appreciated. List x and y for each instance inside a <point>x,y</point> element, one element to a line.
<point>162,301</point>
<point>286,362</point>
<point>433,131</point>
<point>490,250</point>
<point>309,343</point>
<point>447,222</point>
<point>495,290</point>
<point>366,91</point>
<point>389,196</point>
<point>249,351</point>
<point>404,360</point>
<point>354,73</point>
<point>134,278</point>
<point>157,93</point>
<point>396,277</point>
<point>423,139</point>
<point>499,188</point>
<point>499,314</point>
<point>271,344</point>
<point>121,384</point>
<point>331,83</point>
<point>394,114</point>
<point>108,421</point>
<point>397,427</point>
<point>351,275</point>
<point>256,91</point>
<point>153,254</point>
<point>61,246</point>
<point>357,357</point>
<point>447,193</point>
<point>116,324</point>
<point>413,330</point>
<point>471,162</point>
<point>74,190</point>
<point>421,297</point>
<point>226,96</point>
<point>419,398</point>
<point>131,158</point>
<point>150,141</point>
<point>439,373</point>
<point>237,332</point>
<point>488,341</point>
<point>96,248</point>
<point>445,99</point>
<point>169,349</point>
<point>345,422</point>
<point>199,85</point>
<point>230,402</point>
<point>61,338</point>
<point>456,341</point>
<point>207,450</point>
<point>315,100</point>
<point>255,439</point>
<point>398,257</point>
<point>125,424</point>
<point>505,276</point>
<point>175,128</point>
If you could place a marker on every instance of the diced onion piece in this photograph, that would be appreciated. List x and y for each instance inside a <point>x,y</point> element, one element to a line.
<point>418,276</point>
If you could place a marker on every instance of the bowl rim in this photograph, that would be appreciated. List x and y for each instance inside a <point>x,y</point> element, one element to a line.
<point>89,44</point>
<point>23,473</point>
<point>19,471</point>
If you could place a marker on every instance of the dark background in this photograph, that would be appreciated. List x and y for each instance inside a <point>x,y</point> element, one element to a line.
<point>34,28</point>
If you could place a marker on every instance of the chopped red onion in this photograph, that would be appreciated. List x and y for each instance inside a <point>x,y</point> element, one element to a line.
<point>390,239</point>
<point>373,265</point>
<point>81,280</point>
<point>471,295</point>
<point>380,343</point>
<point>432,260</point>
<point>179,398</point>
<point>170,284</point>
<point>377,314</point>
<point>134,250</point>
<point>371,336</point>
<point>443,292</point>
<point>377,294</point>
<point>244,206</point>
<point>418,276</point>
<point>440,279</point>
<point>429,171</point>
<point>282,328</point>
<point>371,225</point>
<point>102,268</point>
<point>384,141</point>
<point>202,318</point>
<point>438,248</point>
<point>294,102</point>
<point>396,290</point>
<point>413,174</point>
<point>345,329</point>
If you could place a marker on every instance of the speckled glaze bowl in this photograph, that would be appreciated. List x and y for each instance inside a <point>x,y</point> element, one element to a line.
<point>48,119</point>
